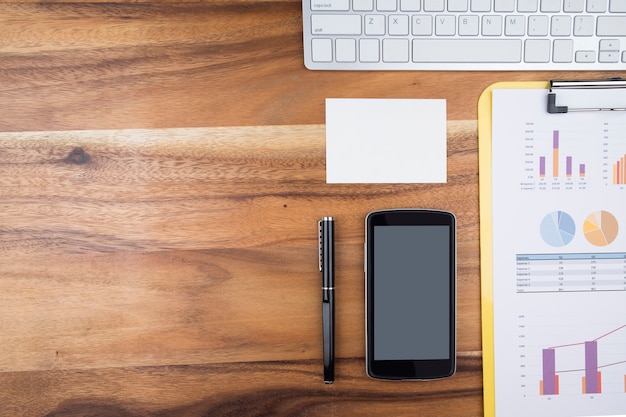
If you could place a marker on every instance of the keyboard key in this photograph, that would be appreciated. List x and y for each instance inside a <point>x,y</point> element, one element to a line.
<point>585,56</point>
<point>395,50</point>
<point>386,5</point>
<point>563,50</point>
<point>611,26</point>
<point>609,45</point>
<point>467,50</point>
<point>369,50</point>
<point>422,25</point>
<point>363,5</point>
<point>445,25</point>
<point>457,5</point>
<point>504,6</point>
<point>537,50</point>
<point>468,25</point>
<point>527,6</point>
<point>596,6</point>
<point>492,25</point>
<point>617,6</point>
<point>317,5</point>
<point>561,26</point>
<point>608,56</point>
<point>410,5</point>
<point>548,6</point>
<point>583,25</point>
<point>538,25</point>
<point>434,5</point>
<point>375,24</point>
<point>345,50</point>
<point>480,5</point>
<point>322,50</point>
<point>515,25</point>
<point>574,6</point>
<point>335,24</point>
<point>399,25</point>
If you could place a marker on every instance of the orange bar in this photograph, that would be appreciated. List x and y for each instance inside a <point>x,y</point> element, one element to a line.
<point>615,173</point>
<point>599,383</point>
<point>623,171</point>
<point>555,162</point>
<point>556,383</point>
<point>555,153</point>
<point>624,383</point>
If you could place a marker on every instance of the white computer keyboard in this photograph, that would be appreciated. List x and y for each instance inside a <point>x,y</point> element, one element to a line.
<point>464,34</point>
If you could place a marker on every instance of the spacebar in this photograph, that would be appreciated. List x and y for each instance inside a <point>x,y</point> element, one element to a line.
<point>467,50</point>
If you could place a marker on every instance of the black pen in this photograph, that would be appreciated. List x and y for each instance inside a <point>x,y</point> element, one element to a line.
<point>327,268</point>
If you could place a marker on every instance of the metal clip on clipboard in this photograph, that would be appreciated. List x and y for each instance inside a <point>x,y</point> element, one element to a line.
<point>592,93</point>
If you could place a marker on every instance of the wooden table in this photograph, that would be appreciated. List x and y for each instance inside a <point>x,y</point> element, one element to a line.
<point>161,175</point>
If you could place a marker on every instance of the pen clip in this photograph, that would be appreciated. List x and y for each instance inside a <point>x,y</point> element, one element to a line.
<point>321,252</point>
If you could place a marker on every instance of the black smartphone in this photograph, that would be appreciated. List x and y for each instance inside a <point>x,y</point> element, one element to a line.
<point>410,292</point>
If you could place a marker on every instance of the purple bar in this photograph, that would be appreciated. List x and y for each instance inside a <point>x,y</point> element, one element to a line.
<point>582,170</point>
<point>549,372</point>
<point>542,166</point>
<point>568,166</point>
<point>555,139</point>
<point>591,368</point>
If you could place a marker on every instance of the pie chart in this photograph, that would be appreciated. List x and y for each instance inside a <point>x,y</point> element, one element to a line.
<point>600,228</point>
<point>557,228</point>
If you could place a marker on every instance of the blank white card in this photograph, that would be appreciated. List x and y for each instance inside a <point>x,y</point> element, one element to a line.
<point>385,141</point>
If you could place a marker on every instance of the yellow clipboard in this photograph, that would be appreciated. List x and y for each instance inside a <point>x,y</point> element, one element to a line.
<point>563,104</point>
<point>486,236</point>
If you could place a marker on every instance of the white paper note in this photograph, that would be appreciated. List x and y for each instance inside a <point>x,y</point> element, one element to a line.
<point>385,141</point>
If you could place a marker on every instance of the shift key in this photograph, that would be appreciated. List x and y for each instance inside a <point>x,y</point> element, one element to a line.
<point>611,26</point>
<point>335,24</point>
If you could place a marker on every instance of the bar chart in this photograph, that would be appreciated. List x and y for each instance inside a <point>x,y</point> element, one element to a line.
<point>614,154</point>
<point>619,171</point>
<point>559,157</point>
<point>590,371</point>
<point>555,162</point>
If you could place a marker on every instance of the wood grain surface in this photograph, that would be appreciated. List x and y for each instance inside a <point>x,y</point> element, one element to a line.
<point>161,175</point>
<point>175,271</point>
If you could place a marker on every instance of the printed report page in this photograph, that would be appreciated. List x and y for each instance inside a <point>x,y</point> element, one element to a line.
<point>559,258</point>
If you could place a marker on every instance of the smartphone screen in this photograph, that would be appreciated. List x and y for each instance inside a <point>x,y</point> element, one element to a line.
<point>410,294</point>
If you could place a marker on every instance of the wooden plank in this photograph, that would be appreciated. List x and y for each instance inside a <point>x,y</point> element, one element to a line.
<point>289,388</point>
<point>155,248</point>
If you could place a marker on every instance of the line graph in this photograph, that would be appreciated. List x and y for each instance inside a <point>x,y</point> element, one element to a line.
<point>594,340</point>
